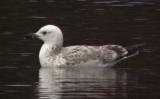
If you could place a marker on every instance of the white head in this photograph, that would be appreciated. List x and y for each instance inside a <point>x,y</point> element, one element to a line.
<point>50,34</point>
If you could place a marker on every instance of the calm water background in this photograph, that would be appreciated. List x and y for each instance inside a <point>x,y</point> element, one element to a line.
<point>91,22</point>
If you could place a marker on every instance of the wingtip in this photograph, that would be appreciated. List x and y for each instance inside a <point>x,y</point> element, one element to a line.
<point>136,46</point>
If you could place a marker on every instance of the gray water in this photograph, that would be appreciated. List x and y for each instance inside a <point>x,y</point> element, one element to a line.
<point>89,22</point>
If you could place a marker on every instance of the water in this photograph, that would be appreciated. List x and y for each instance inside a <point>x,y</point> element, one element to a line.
<point>91,22</point>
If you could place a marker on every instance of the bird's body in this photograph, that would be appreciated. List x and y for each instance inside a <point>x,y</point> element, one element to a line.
<point>52,52</point>
<point>80,55</point>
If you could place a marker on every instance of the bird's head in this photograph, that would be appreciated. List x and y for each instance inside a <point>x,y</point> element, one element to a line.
<point>48,34</point>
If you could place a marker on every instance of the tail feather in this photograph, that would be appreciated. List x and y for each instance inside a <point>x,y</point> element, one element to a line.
<point>125,52</point>
<point>127,56</point>
<point>128,52</point>
<point>121,51</point>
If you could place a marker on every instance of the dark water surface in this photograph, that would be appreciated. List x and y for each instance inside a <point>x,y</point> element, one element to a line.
<point>91,22</point>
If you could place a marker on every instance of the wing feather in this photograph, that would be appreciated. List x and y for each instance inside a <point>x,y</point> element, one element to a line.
<point>81,54</point>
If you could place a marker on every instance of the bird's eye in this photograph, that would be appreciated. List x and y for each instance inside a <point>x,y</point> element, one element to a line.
<point>44,33</point>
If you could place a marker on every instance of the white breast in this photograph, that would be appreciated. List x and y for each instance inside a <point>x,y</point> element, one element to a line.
<point>48,58</point>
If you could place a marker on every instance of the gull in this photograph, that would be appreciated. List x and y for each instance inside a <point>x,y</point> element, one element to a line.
<point>53,54</point>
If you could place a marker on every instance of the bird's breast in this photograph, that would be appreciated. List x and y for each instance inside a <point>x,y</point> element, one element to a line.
<point>50,59</point>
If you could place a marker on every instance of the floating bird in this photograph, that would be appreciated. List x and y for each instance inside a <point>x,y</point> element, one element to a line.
<point>53,54</point>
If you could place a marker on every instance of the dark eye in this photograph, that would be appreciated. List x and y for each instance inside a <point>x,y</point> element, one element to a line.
<point>44,33</point>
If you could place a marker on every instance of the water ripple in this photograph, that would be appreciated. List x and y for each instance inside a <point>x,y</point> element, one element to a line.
<point>3,17</point>
<point>22,54</point>
<point>7,33</point>
<point>122,5</point>
<point>18,85</point>
<point>106,2</point>
<point>141,19</point>
<point>38,17</point>
<point>35,1</point>
<point>141,3</point>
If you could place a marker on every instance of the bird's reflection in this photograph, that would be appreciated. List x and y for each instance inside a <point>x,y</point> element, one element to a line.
<point>71,83</point>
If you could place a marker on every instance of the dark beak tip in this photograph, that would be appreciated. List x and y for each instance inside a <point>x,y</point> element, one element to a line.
<point>29,36</point>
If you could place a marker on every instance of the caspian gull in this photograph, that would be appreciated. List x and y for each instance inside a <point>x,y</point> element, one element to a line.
<point>52,52</point>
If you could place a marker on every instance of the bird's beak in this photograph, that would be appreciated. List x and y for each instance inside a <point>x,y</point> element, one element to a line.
<point>31,35</point>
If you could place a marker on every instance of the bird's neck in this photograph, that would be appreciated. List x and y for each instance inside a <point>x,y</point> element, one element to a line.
<point>48,49</point>
<point>47,52</point>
